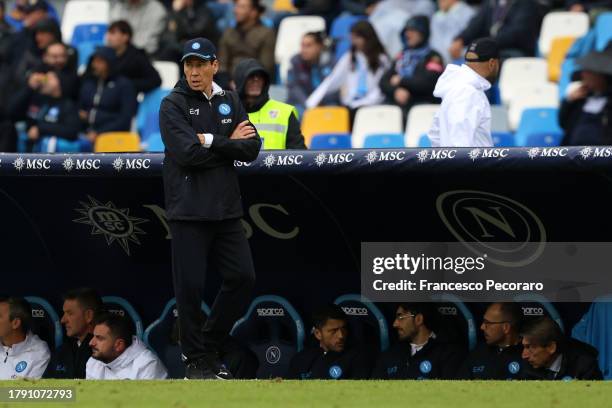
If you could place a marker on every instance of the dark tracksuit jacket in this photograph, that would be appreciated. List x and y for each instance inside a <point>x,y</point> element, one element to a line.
<point>578,361</point>
<point>295,139</point>
<point>136,66</point>
<point>493,363</point>
<point>314,363</point>
<point>203,206</point>
<point>70,360</point>
<point>436,360</point>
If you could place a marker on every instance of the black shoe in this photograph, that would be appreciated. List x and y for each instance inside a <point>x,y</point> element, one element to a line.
<point>209,367</point>
<point>196,371</point>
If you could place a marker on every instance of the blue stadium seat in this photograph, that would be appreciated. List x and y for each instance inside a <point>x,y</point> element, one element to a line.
<point>503,139</point>
<point>457,323</point>
<point>122,307</point>
<point>45,322</point>
<point>384,141</point>
<point>54,144</point>
<point>539,127</point>
<point>147,118</point>
<point>154,143</point>
<point>274,331</point>
<point>331,141</point>
<point>162,337</point>
<point>85,50</point>
<point>367,324</point>
<point>534,305</point>
<point>603,31</point>
<point>340,32</point>
<point>594,328</point>
<point>424,141</point>
<point>89,33</point>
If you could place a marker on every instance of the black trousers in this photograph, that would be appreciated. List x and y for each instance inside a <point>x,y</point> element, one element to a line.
<point>196,246</point>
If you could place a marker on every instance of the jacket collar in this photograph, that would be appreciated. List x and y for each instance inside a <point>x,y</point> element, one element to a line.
<point>19,348</point>
<point>127,357</point>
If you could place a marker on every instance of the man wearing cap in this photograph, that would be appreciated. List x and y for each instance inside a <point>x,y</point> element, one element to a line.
<point>464,117</point>
<point>205,129</point>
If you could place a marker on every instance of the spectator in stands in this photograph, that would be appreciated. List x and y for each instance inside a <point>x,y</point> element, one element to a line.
<point>419,354</point>
<point>147,18</point>
<point>588,5</point>
<point>586,112</point>
<point>249,39</point>
<point>307,71</point>
<point>513,24</point>
<point>277,123</point>
<point>6,38</point>
<point>500,357</point>
<point>359,7</point>
<point>551,356</point>
<point>131,62</point>
<point>80,307</point>
<point>187,19</point>
<point>358,72</point>
<point>55,58</point>
<point>46,111</point>
<point>107,101</point>
<point>464,117</point>
<point>329,10</point>
<point>389,17</point>
<point>6,32</point>
<point>25,354</point>
<point>116,354</point>
<point>413,77</point>
<point>21,8</point>
<point>447,23</point>
<point>332,358</point>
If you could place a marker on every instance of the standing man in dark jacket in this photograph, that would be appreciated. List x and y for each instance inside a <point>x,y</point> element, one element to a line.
<point>132,63</point>
<point>205,129</point>
<point>276,122</point>
<point>107,101</point>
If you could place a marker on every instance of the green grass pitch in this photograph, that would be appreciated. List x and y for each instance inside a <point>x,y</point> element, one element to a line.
<point>281,393</point>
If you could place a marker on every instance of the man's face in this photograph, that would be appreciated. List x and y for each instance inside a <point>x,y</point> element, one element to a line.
<point>116,39</point>
<point>538,356</point>
<point>413,38</point>
<point>332,336</point>
<point>199,73</point>
<point>493,326</point>
<point>75,318</point>
<point>6,326</point>
<point>254,85</point>
<point>100,67</point>
<point>43,39</point>
<point>358,42</point>
<point>56,57</point>
<point>244,11</point>
<point>104,346</point>
<point>493,70</point>
<point>405,324</point>
<point>444,5</point>
<point>310,50</point>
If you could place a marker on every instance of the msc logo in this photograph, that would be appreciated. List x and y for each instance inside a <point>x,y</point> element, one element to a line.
<point>194,111</point>
<point>447,310</point>
<point>375,156</point>
<point>31,164</point>
<point>81,164</point>
<point>38,313</point>
<point>587,152</point>
<point>241,164</point>
<point>488,153</point>
<point>547,152</point>
<point>509,232</point>
<point>273,355</point>
<point>333,158</point>
<point>533,311</point>
<point>283,160</point>
<point>436,154</point>
<point>137,164</point>
<point>270,311</point>
<point>355,311</point>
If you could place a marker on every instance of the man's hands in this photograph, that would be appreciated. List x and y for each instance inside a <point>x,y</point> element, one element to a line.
<point>244,130</point>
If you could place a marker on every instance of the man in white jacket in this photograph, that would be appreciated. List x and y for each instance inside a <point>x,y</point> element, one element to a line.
<point>24,354</point>
<point>118,355</point>
<point>464,117</point>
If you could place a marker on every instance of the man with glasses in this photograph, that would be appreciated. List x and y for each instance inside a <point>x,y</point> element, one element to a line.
<point>419,354</point>
<point>500,357</point>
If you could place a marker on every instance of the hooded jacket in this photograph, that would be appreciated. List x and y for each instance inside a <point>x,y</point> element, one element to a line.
<point>201,182</point>
<point>248,67</point>
<point>110,103</point>
<point>136,66</point>
<point>464,117</point>
<point>136,362</point>
<point>27,359</point>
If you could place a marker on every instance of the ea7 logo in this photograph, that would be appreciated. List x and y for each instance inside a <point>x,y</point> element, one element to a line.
<point>194,111</point>
<point>38,164</point>
<point>270,311</point>
<point>442,154</point>
<point>391,156</point>
<point>355,311</point>
<point>38,313</point>
<point>137,163</point>
<point>339,158</point>
<point>495,153</point>
<point>87,164</point>
<point>533,311</point>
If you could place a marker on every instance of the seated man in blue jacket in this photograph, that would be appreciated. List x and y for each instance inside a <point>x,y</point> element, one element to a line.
<point>107,101</point>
